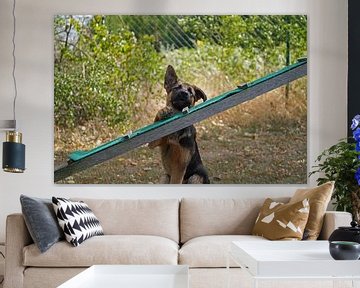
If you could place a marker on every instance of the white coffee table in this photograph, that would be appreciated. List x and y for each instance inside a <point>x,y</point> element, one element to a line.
<point>131,276</point>
<point>296,260</point>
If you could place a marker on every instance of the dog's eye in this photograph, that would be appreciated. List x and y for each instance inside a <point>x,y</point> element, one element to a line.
<point>191,90</point>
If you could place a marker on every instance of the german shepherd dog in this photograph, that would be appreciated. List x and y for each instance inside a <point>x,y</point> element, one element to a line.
<point>179,151</point>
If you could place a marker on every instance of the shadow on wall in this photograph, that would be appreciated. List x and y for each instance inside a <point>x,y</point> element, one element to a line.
<point>154,7</point>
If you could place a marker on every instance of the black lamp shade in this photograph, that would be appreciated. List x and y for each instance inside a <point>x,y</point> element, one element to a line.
<point>13,157</point>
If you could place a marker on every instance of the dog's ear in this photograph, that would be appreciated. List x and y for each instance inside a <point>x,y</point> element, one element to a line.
<point>199,94</point>
<point>170,78</point>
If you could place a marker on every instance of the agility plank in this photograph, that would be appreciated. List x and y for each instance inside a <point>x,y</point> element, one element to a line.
<point>81,160</point>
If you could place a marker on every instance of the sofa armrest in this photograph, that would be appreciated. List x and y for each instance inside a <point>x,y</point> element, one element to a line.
<point>333,220</point>
<point>17,237</point>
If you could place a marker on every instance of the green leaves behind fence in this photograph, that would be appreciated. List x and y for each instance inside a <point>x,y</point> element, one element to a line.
<point>99,75</point>
<point>107,67</point>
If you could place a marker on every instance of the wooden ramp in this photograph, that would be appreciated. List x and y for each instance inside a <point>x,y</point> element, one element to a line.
<point>81,160</point>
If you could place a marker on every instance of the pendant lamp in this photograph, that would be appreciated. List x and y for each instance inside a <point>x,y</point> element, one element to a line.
<point>13,160</point>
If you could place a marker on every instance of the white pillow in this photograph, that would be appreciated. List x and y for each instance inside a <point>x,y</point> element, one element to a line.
<point>76,220</point>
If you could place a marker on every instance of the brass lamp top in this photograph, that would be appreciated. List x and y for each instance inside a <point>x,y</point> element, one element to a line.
<point>13,170</point>
<point>14,136</point>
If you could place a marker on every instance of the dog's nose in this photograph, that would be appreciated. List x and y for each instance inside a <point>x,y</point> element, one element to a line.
<point>183,95</point>
<point>181,99</point>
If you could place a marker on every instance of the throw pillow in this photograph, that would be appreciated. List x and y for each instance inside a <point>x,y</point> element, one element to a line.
<point>319,198</point>
<point>77,220</point>
<point>279,221</point>
<point>41,222</point>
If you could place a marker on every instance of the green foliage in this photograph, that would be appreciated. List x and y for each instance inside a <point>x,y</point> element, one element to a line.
<point>108,67</point>
<point>166,29</point>
<point>261,37</point>
<point>339,163</point>
<point>209,60</point>
<point>99,75</point>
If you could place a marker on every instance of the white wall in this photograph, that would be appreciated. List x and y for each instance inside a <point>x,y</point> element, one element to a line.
<point>327,89</point>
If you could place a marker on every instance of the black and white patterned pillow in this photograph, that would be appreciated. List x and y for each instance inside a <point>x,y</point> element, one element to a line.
<point>77,220</point>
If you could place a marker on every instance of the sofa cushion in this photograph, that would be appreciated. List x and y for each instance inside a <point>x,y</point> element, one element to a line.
<point>201,217</point>
<point>158,217</point>
<point>77,220</point>
<point>319,198</point>
<point>41,221</point>
<point>279,221</point>
<point>107,249</point>
<point>211,251</point>
<point>35,277</point>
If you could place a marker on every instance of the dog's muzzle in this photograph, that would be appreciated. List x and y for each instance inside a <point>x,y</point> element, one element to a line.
<point>181,100</point>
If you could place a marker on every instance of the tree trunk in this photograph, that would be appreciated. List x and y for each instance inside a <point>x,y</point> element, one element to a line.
<point>287,56</point>
<point>355,201</point>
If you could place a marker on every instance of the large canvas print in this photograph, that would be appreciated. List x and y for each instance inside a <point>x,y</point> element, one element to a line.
<point>180,99</point>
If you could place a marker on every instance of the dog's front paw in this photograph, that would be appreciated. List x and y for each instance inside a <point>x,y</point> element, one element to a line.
<point>165,179</point>
<point>165,112</point>
<point>155,143</point>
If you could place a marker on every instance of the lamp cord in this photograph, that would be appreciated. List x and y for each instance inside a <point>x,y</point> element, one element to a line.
<point>14,60</point>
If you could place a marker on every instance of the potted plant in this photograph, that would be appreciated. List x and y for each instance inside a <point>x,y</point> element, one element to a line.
<point>341,163</point>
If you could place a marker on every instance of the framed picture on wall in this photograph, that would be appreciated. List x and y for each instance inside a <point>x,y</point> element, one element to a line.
<point>180,99</point>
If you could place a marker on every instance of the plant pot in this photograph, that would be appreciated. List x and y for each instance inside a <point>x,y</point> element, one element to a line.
<point>351,233</point>
<point>343,250</point>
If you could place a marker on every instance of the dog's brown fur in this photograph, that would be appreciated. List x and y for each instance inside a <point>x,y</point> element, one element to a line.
<point>179,151</point>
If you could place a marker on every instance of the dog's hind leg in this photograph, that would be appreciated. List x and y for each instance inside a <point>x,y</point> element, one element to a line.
<point>178,176</point>
<point>165,179</point>
<point>179,160</point>
<point>196,179</point>
<point>199,176</point>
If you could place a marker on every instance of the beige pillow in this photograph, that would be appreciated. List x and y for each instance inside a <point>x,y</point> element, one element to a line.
<point>319,198</point>
<point>279,221</point>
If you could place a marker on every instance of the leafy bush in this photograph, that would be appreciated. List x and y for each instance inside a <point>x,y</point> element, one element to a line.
<point>339,163</point>
<point>99,75</point>
<point>107,68</point>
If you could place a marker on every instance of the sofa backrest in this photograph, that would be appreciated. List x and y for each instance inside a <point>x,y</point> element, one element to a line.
<point>159,217</point>
<point>200,217</point>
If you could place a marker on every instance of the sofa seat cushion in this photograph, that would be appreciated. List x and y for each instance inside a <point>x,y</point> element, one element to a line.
<point>206,217</point>
<point>159,217</point>
<point>107,249</point>
<point>211,251</point>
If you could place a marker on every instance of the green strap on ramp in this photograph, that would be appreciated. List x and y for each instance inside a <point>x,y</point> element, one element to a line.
<point>78,155</point>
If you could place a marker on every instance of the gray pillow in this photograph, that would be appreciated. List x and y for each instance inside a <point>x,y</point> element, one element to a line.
<point>41,221</point>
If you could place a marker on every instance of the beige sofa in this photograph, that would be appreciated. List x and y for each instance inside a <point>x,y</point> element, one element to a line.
<point>194,232</point>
